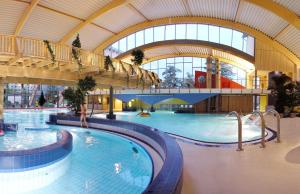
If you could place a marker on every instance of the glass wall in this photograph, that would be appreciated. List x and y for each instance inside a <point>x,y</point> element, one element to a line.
<point>27,95</point>
<point>204,32</point>
<point>188,65</point>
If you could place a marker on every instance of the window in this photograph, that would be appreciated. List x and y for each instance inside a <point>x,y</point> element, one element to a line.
<point>214,34</point>
<point>123,45</point>
<point>202,32</point>
<point>191,32</point>
<point>225,36</point>
<point>170,32</point>
<point>237,40</point>
<point>159,33</point>
<point>131,42</point>
<point>139,37</point>
<point>148,35</point>
<point>180,31</point>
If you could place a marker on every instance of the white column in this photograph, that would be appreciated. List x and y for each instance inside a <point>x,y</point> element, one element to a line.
<point>1,98</point>
<point>208,71</point>
<point>218,74</point>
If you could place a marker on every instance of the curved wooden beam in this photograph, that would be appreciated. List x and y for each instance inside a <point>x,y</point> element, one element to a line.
<point>201,20</point>
<point>91,18</point>
<point>25,16</point>
<point>279,10</point>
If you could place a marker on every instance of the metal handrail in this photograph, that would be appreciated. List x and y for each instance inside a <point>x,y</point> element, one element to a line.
<point>263,127</point>
<point>240,128</point>
<point>275,113</point>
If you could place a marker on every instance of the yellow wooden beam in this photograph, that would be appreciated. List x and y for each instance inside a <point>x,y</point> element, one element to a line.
<point>112,5</point>
<point>279,10</point>
<point>202,20</point>
<point>25,16</point>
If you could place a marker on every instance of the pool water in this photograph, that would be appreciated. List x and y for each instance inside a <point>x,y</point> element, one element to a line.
<point>99,163</point>
<point>202,127</point>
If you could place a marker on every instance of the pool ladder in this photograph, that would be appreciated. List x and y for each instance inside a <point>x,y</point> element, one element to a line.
<point>263,127</point>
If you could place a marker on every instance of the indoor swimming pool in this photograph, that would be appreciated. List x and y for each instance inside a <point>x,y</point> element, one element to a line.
<point>216,128</point>
<point>100,162</point>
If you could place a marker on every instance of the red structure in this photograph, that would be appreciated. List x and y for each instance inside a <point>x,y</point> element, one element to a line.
<point>200,81</point>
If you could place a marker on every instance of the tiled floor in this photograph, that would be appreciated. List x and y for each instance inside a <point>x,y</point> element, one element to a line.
<point>274,169</point>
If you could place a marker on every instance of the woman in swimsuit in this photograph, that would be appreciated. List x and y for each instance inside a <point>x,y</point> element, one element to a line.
<point>83,111</point>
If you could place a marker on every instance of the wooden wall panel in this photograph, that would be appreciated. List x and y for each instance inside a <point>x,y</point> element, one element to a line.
<point>269,59</point>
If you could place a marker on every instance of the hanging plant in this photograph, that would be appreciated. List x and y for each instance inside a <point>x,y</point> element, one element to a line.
<point>138,57</point>
<point>50,50</point>
<point>108,63</point>
<point>76,46</point>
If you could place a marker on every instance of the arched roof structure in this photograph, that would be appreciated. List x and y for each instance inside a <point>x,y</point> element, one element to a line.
<point>98,21</point>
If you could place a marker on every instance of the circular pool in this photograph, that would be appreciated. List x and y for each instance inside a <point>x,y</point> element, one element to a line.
<point>212,128</point>
<point>100,162</point>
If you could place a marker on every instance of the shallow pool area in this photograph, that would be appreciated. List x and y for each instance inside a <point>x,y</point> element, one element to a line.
<point>217,128</point>
<point>100,162</point>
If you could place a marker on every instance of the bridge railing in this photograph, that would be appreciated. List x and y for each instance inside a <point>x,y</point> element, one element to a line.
<point>34,48</point>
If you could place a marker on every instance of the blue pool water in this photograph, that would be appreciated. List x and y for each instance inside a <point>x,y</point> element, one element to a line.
<point>202,127</point>
<point>99,163</point>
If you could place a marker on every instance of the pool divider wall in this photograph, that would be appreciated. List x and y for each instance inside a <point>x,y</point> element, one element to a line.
<point>22,160</point>
<point>169,178</point>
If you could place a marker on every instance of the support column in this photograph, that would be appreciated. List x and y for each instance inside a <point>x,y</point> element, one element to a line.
<point>111,115</point>
<point>208,72</point>
<point>218,74</point>
<point>1,99</point>
<point>255,87</point>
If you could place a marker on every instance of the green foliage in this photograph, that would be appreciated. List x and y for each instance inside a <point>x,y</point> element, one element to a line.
<point>50,50</point>
<point>138,57</point>
<point>171,81</point>
<point>75,97</point>
<point>76,45</point>
<point>86,84</point>
<point>108,63</point>
<point>42,99</point>
<point>286,92</point>
<point>189,81</point>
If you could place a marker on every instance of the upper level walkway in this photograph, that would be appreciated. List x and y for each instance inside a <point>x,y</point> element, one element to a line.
<point>27,60</point>
<point>190,95</point>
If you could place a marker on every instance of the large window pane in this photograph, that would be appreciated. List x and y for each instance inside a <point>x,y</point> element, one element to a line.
<point>148,35</point>
<point>170,32</point>
<point>131,42</point>
<point>162,63</point>
<point>191,31</point>
<point>178,59</point>
<point>197,62</point>
<point>180,31</point>
<point>237,40</point>
<point>214,34</point>
<point>202,32</point>
<point>139,38</point>
<point>170,60</point>
<point>250,45</point>
<point>147,66</point>
<point>188,69</point>
<point>154,65</point>
<point>123,45</point>
<point>179,74</point>
<point>188,59</point>
<point>159,33</point>
<point>225,36</point>
<point>115,46</point>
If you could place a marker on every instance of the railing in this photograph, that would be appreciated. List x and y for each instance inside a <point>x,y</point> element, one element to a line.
<point>276,114</point>
<point>33,48</point>
<point>240,130</point>
<point>263,127</point>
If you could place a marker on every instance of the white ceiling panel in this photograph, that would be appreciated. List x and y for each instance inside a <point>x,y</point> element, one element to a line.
<point>91,36</point>
<point>119,18</point>
<point>78,8</point>
<point>46,24</point>
<point>291,39</point>
<point>260,19</point>
<point>293,5</point>
<point>224,9</point>
<point>160,8</point>
<point>10,13</point>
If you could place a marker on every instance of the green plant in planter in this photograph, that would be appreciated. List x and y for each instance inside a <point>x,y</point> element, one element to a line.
<point>108,63</point>
<point>285,91</point>
<point>76,46</point>
<point>138,57</point>
<point>50,50</point>
<point>75,96</point>
<point>42,99</point>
